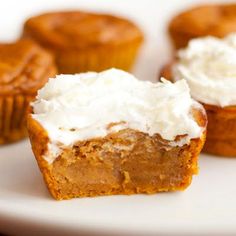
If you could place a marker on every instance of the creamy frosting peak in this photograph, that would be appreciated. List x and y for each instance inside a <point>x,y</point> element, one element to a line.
<point>79,107</point>
<point>208,65</point>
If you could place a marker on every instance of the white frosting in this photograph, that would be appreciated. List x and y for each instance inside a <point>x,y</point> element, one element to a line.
<point>80,107</point>
<point>209,66</point>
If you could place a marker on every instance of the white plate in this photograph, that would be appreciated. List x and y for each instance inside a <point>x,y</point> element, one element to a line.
<point>208,206</point>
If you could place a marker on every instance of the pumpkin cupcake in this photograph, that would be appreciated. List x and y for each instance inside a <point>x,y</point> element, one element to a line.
<point>113,134</point>
<point>24,68</point>
<point>215,20</point>
<point>209,67</point>
<point>84,41</point>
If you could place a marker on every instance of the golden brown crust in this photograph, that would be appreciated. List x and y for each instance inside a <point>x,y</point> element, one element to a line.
<point>98,59</point>
<point>125,162</point>
<point>24,68</point>
<point>221,128</point>
<point>82,30</point>
<point>215,20</point>
<point>39,141</point>
<point>84,41</point>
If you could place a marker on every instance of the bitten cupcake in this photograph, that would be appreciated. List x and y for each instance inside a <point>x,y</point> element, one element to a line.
<point>109,133</point>
<point>209,67</point>
<point>84,41</point>
<point>214,20</point>
<point>24,68</point>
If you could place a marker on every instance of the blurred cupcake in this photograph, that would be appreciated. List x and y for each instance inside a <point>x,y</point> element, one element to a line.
<point>84,41</point>
<point>215,20</point>
<point>24,68</point>
<point>208,65</point>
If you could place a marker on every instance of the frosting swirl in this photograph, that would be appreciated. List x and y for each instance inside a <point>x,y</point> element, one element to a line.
<point>209,66</point>
<point>89,105</point>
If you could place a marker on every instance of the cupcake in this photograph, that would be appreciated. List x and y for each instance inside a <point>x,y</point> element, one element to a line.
<point>208,65</point>
<point>109,133</point>
<point>215,20</point>
<point>84,41</point>
<point>24,68</point>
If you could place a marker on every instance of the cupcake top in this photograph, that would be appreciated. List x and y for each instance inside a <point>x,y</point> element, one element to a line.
<point>209,66</point>
<point>76,29</point>
<point>24,68</point>
<point>90,105</point>
<point>217,20</point>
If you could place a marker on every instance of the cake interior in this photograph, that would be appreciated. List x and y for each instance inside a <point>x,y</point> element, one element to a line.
<point>124,162</point>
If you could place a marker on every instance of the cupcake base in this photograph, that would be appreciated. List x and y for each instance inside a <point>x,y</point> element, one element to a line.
<point>13,136</point>
<point>220,147</point>
<point>97,59</point>
<point>221,131</point>
<point>13,111</point>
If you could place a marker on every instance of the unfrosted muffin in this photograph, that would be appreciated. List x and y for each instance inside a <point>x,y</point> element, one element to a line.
<point>216,20</point>
<point>209,67</point>
<point>84,41</point>
<point>24,68</point>
<point>109,133</point>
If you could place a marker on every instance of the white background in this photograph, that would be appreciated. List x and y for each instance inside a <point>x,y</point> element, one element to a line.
<point>151,15</point>
<point>207,207</point>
